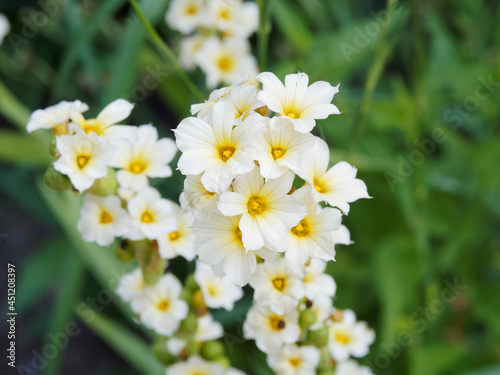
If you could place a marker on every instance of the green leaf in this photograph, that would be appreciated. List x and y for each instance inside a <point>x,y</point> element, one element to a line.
<point>129,346</point>
<point>18,148</point>
<point>291,24</point>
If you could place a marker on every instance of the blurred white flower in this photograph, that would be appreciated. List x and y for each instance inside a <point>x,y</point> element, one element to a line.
<point>349,337</point>
<point>195,365</point>
<point>234,17</point>
<point>102,219</point>
<point>351,367</point>
<point>208,329</point>
<point>217,292</point>
<point>55,117</point>
<point>144,157</point>
<point>278,284</point>
<point>159,307</point>
<point>83,158</point>
<point>295,360</point>
<point>201,202</point>
<point>296,101</point>
<point>131,285</point>
<point>270,330</point>
<point>316,281</point>
<point>151,215</point>
<point>322,307</point>
<point>267,211</point>
<point>187,15</point>
<point>188,49</point>
<point>338,186</point>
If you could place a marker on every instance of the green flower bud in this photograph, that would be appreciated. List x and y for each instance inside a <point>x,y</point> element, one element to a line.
<point>190,324</point>
<point>191,283</point>
<point>161,353</point>
<point>212,349</point>
<point>318,337</point>
<point>186,295</point>
<point>327,372</point>
<point>124,252</point>
<point>222,361</point>
<point>52,147</point>
<point>106,185</point>
<point>56,180</point>
<point>307,318</point>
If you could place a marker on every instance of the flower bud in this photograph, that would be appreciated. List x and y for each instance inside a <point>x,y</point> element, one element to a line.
<point>56,180</point>
<point>191,283</point>
<point>212,349</point>
<point>222,361</point>
<point>161,353</point>
<point>190,324</point>
<point>124,252</point>
<point>52,147</point>
<point>318,337</point>
<point>307,318</point>
<point>198,301</point>
<point>106,185</point>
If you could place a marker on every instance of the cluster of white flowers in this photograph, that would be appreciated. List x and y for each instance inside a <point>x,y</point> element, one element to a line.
<point>4,27</point>
<point>216,37</point>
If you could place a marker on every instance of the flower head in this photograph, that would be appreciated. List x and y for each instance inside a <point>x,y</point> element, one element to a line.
<point>295,360</point>
<point>131,285</point>
<point>55,117</point>
<point>187,15</point>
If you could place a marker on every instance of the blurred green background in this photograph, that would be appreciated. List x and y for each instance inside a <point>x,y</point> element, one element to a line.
<point>420,102</point>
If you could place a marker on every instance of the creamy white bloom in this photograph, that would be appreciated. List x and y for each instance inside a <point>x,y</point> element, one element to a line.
<point>181,241</point>
<point>83,158</point>
<point>349,337</point>
<point>176,345</point>
<point>218,150</point>
<point>217,292</point>
<point>235,18</point>
<point>144,157</point>
<point>131,285</point>
<point>55,117</point>
<point>278,284</point>
<point>226,60</point>
<point>267,211</point>
<point>322,307</point>
<point>201,202</point>
<point>187,15</point>
<point>342,236</point>
<point>208,329</point>
<point>312,237</point>
<point>279,148</point>
<point>316,281</point>
<point>221,245</point>
<point>102,219</point>
<point>351,367</point>
<point>203,110</point>
<point>4,27</point>
<point>270,330</point>
<point>195,365</point>
<point>296,101</point>
<point>159,307</point>
<point>295,360</point>
<point>188,50</point>
<point>104,125</point>
<point>338,186</point>
<point>151,215</point>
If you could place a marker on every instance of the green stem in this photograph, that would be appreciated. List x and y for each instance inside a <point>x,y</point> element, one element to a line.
<point>12,108</point>
<point>155,37</point>
<point>263,33</point>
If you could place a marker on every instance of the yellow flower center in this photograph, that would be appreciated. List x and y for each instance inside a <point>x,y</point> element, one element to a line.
<point>137,166</point>
<point>92,125</point>
<point>225,13</point>
<point>105,217</point>
<point>82,160</point>
<point>279,283</point>
<point>147,217</point>
<point>226,152</point>
<point>225,63</point>
<point>256,205</point>
<point>212,290</point>
<point>320,186</point>
<point>163,305</point>
<point>174,235</point>
<point>239,234</point>
<point>301,229</point>
<point>277,152</point>
<point>291,115</point>
<point>295,362</point>
<point>342,338</point>
<point>276,323</point>
<point>191,9</point>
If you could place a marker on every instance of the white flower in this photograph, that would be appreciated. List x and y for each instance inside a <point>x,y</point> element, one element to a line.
<point>338,186</point>
<point>278,284</point>
<point>270,330</point>
<point>243,100</point>
<point>131,285</point>
<point>151,215</point>
<point>4,27</point>
<point>55,117</point>
<point>279,148</point>
<point>204,110</point>
<point>104,125</point>
<point>351,367</point>
<point>178,242</point>
<point>217,150</point>
<point>342,236</point>
<point>221,244</point>
<point>316,281</point>
<point>159,307</point>
<point>322,307</point>
<point>312,237</point>
<point>145,157</point>
<point>186,15</point>
<point>295,360</point>
<point>188,49</point>
<point>348,337</point>
<point>217,292</point>
<point>102,219</point>
<point>201,202</point>
<point>299,103</point>
<point>235,18</point>
<point>83,158</point>
<point>208,329</point>
<point>195,365</point>
<point>175,345</point>
<point>267,211</point>
<point>226,60</point>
